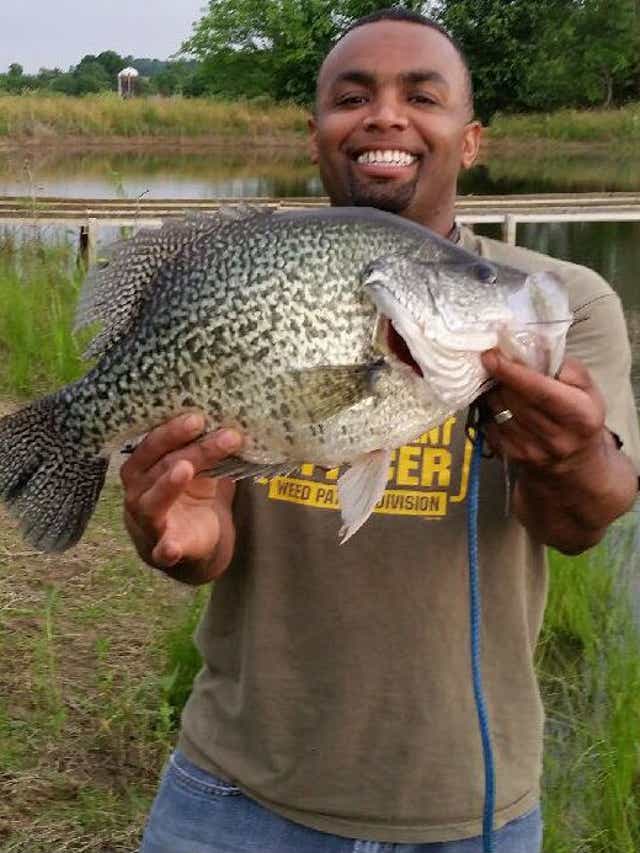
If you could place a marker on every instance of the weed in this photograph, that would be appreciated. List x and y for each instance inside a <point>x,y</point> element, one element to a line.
<point>37,115</point>
<point>619,126</point>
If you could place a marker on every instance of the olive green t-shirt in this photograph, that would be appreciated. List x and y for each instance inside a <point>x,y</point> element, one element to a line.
<point>336,687</point>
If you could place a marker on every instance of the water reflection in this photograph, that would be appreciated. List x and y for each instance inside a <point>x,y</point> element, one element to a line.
<point>549,170</point>
<point>281,172</point>
<point>195,174</point>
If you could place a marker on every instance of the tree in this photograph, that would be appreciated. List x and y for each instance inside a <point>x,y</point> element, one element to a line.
<point>607,44</point>
<point>498,38</point>
<point>89,77</point>
<point>543,54</point>
<point>274,47</point>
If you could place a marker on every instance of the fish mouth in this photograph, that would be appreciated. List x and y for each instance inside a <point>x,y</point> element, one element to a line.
<point>394,344</point>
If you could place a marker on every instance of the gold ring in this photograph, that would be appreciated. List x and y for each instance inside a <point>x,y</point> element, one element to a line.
<point>503,416</point>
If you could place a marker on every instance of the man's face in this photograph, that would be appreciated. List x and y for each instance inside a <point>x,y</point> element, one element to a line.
<point>393,127</point>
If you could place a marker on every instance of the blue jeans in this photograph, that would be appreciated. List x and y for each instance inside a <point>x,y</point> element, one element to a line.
<point>195,812</point>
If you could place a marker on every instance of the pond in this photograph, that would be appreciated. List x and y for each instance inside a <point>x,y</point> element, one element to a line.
<point>612,249</point>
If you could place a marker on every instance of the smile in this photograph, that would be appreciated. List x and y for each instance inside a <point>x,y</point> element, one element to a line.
<point>389,157</point>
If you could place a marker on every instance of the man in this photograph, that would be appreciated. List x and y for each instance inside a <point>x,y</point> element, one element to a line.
<point>335,711</point>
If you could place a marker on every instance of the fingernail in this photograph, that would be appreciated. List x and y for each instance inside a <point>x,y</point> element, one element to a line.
<point>194,423</point>
<point>228,439</point>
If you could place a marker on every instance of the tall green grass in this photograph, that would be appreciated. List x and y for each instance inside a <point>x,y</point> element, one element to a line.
<point>107,115</point>
<point>39,284</point>
<point>618,126</point>
<point>589,666</point>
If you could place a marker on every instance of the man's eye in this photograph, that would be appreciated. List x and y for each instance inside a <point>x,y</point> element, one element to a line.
<point>350,100</point>
<point>422,98</point>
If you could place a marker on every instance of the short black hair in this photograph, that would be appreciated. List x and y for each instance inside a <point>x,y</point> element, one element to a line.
<point>399,13</point>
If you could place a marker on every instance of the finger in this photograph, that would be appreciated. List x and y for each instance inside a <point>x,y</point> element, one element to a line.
<point>515,444</point>
<point>202,455</point>
<point>576,407</point>
<point>154,504</point>
<point>159,442</point>
<point>558,397</point>
<point>528,423</point>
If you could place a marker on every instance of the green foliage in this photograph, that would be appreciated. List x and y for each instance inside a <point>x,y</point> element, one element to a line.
<point>274,47</point>
<point>543,54</point>
<point>182,659</point>
<point>38,290</point>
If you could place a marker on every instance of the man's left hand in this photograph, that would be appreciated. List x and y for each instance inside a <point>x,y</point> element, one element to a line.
<point>572,481</point>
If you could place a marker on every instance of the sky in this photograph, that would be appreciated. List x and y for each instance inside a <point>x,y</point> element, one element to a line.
<point>58,33</point>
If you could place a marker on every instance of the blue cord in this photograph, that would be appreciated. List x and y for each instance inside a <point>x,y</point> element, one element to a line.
<point>488,844</point>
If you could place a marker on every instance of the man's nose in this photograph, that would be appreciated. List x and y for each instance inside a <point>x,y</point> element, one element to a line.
<point>386,113</point>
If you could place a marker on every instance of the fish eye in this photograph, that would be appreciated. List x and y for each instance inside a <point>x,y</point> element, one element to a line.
<point>485,273</point>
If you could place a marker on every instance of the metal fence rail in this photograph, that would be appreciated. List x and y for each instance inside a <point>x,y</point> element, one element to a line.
<point>90,215</point>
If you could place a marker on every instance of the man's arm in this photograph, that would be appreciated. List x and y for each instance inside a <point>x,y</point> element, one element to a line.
<point>572,480</point>
<point>179,522</point>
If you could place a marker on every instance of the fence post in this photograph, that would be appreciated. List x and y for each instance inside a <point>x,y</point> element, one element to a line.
<point>509,227</point>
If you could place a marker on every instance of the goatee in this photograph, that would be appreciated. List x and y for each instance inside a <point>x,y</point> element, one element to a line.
<point>384,194</point>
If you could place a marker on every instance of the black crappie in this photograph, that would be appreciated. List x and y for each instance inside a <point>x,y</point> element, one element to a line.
<point>332,336</point>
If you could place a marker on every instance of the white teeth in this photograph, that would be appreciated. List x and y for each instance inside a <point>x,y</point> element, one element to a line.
<point>388,157</point>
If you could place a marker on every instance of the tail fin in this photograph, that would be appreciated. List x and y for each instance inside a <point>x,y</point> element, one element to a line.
<point>46,481</point>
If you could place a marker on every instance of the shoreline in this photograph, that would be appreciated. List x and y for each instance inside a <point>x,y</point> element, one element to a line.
<point>291,141</point>
<point>160,143</point>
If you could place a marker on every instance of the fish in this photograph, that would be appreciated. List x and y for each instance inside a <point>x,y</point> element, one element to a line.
<point>329,336</point>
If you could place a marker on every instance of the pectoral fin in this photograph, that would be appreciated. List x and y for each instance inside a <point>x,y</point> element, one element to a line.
<point>360,489</point>
<point>324,391</point>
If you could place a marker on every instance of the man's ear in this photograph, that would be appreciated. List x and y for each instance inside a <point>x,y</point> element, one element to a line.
<point>313,139</point>
<point>471,144</point>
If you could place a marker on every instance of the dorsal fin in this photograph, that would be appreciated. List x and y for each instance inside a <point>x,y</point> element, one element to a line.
<point>118,285</point>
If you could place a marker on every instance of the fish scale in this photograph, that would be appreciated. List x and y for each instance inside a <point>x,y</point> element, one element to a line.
<point>268,322</point>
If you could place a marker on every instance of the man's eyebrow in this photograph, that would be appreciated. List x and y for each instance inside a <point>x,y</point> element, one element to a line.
<point>424,75</point>
<point>365,78</point>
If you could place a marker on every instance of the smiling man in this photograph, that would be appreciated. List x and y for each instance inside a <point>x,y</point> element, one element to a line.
<point>393,122</point>
<point>334,712</point>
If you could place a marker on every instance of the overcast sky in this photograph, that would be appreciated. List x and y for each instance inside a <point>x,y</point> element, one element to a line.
<point>58,33</point>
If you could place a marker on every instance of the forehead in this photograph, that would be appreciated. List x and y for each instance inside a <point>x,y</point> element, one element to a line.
<point>389,49</point>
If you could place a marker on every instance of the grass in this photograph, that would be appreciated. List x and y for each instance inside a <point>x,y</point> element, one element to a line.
<point>619,126</point>
<point>106,115</point>
<point>85,725</point>
<point>39,284</point>
<point>589,665</point>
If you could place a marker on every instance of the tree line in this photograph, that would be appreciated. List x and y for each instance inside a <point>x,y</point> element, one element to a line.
<point>525,55</point>
<point>99,73</point>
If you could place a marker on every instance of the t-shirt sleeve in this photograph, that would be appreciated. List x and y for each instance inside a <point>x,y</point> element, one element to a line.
<point>600,340</point>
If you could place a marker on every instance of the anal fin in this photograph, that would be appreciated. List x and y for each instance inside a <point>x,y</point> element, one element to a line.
<point>360,489</point>
<point>240,469</point>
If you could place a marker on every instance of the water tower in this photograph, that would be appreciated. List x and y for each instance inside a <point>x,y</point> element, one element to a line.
<point>126,82</point>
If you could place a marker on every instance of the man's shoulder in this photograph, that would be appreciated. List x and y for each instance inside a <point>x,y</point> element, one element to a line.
<point>585,285</point>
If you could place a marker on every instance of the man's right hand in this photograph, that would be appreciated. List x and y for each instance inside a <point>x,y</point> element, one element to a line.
<point>179,522</point>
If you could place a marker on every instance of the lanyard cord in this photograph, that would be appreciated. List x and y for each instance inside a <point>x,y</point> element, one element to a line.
<point>488,844</point>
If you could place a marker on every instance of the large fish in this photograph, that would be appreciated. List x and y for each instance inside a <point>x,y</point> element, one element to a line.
<point>332,336</point>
